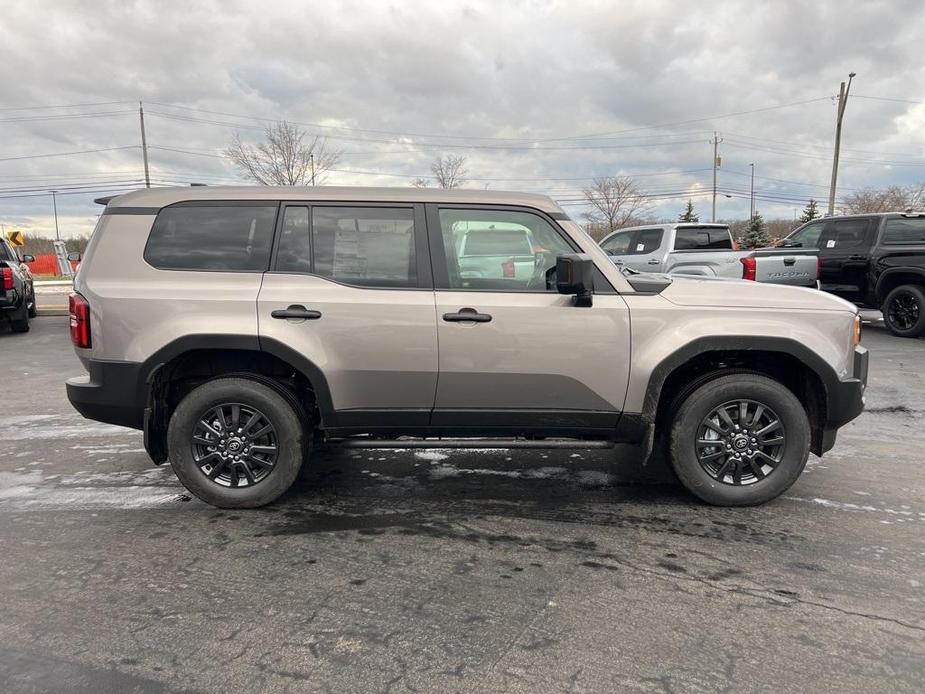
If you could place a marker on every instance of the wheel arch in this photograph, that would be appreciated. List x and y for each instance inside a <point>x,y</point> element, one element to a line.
<point>794,365</point>
<point>171,372</point>
<point>896,277</point>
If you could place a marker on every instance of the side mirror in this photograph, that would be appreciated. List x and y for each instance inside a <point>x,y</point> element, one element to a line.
<point>28,258</point>
<point>575,275</point>
<point>73,255</point>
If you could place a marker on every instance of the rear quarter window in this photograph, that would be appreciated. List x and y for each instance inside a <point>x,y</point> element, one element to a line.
<point>219,237</point>
<point>904,232</point>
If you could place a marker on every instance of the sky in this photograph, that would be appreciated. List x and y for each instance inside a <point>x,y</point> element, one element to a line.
<point>540,96</point>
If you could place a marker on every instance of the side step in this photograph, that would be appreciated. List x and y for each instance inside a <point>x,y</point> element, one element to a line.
<point>472,443</point>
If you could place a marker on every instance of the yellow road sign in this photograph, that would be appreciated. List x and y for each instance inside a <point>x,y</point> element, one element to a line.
<point>16,238</point>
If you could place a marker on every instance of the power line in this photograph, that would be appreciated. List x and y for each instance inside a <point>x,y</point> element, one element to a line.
<point>888,98</point>
<point>67,154</point>
<point>36,108</point>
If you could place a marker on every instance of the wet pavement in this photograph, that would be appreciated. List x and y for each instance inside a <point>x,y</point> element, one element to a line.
<point>487,571</point>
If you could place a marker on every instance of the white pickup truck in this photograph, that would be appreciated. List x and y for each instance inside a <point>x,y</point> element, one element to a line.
<point>693,248</point>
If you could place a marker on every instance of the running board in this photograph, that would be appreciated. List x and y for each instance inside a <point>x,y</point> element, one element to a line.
<point>472,443</point>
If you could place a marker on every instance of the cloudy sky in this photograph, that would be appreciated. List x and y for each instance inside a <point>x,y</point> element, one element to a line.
<point>539,95</point>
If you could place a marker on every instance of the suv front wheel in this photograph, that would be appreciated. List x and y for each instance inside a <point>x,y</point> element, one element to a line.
<point>237,442</point>
<point>739,440</point>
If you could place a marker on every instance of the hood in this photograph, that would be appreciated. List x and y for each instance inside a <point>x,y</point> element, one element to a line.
<point>708,291</point>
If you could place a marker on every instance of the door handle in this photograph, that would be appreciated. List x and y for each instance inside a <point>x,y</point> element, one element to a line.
<point>296,311</point>
<point>467,314</point>
<point>654,261</point>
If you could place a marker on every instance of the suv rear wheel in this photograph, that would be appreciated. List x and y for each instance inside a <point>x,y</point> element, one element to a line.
<point>904,311</point>
<point>739,440</point>
<point>237,442</point>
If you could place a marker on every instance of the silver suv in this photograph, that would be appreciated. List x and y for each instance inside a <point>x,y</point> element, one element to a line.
<point>236,326</point>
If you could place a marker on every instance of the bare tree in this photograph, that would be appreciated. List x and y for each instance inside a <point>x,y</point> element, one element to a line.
<point>891,199</point>
<point>450,171</point>
<point>614,201</point>
<point>419,183</point>
<point>284,158</point>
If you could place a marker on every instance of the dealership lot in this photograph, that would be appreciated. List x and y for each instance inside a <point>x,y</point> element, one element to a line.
<point>478,571</point>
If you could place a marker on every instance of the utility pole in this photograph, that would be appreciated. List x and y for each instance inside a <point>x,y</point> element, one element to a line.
<point>144,143</point>
<point>311,158</point>
<point>716,163</point>
<point>54,203</point>
<point>753,191</point>
<point>842,103</point>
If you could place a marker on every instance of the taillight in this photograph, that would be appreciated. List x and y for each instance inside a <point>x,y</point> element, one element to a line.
<point>818,267</point>
<point>79,312</point>
<point>507,268</point>
<point>7,279</point>
<point>749,268</point>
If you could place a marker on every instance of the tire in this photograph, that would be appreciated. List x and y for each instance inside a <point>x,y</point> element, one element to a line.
<point>20,324</point>
<point>739,483</point>
<point>904,311</point>
<point>227,482</point>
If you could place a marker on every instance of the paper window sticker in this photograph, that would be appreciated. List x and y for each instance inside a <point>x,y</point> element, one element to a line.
<point>640,247</point>
<point>830,243</point>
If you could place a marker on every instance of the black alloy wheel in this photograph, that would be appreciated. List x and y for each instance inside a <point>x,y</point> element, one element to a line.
<point>234,445</point>
<point>740,442</point>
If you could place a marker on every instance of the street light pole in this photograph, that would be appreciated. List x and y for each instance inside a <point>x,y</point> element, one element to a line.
<point>54,203</point>
<point>144,143</point>
<point>311,158</point>
<point>842,103</point>
<point>752,197</point>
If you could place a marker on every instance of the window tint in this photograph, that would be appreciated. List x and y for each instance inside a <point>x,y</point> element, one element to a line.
<point>849,233</point>
<point>372,247</point>
<point>808,235</point>
<point>214,237</point>
<point>904,231</point>
<point>527,263</point>
<point>647,241</point>
<point>691,238</point>
<point>5,253</point>
<point>295,253</point>
<point>618,244</point>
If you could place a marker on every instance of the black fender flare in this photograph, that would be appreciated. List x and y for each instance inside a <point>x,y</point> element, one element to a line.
<point>880,293</point>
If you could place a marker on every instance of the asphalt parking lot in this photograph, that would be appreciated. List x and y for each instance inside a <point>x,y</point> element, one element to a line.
<point>527,571</point>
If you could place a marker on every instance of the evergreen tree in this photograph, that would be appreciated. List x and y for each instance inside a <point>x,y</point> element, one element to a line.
<point>689,215</point>
<point>756,235</point>
<point>810,212</point>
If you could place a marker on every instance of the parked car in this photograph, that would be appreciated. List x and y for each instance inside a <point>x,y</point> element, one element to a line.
<point>872,260</point>
<point>238,326</point>
<point>495,253</point>
<point>17,288</point>
<point>706,250</point>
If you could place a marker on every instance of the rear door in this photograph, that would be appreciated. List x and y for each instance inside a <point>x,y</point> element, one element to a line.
<point>514,353</point>
<point>844,248</point>
<point>350,290</point>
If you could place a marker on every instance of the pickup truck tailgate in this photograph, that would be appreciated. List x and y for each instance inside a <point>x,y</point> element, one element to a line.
<point>797,268</point>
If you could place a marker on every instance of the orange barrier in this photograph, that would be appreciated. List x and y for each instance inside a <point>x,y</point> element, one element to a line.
<point>46,265</point>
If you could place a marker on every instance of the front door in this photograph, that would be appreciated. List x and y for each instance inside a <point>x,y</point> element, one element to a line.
<point>515,355</point>
<point>350,291</point>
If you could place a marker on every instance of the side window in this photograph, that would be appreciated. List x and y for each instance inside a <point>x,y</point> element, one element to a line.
<point>4,252</point>
<point>901,232</point>
<point>232,238</point>
<point>647,241</point>
<point>808,235</point>
<point>848,233</point>
<point>500,249</point>
<point>619,243</point>
<point>701,238</point>
<point>367,246</point>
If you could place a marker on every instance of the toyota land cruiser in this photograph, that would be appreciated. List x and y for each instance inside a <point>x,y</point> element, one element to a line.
<point>238,325</point>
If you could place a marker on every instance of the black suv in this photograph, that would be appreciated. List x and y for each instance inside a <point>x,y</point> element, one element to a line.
<point>874,260</point>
